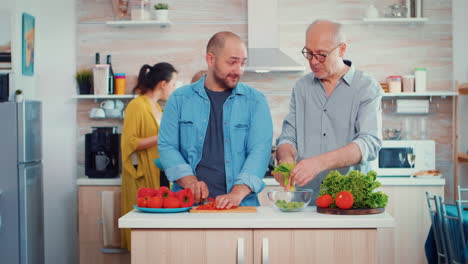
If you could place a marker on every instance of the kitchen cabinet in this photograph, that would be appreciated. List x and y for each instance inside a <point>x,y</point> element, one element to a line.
<point>192,246</point>
<point>90,227</point>
<point>405,242</point>
<point>278,246</point>
<point>268,236</point>
<point>256,246</point>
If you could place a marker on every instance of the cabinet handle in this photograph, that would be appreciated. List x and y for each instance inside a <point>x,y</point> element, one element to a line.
<point>265,251</point>
<point>240,251</point>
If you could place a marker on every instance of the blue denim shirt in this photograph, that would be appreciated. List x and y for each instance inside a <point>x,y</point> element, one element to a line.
<point>248,132</point>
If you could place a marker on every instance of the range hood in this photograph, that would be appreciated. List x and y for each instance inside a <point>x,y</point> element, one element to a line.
<point>264,54</point>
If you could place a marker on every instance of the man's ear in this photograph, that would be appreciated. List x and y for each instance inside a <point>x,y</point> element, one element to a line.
<point>210,59</point>
<point>342,51</point>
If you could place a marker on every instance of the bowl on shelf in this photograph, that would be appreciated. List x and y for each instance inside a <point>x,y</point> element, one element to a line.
<point>290,201</point>
<point>113,113</point>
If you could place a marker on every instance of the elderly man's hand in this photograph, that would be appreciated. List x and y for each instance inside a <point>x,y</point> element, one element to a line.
<point>306,170</point>
<point>279,177</point>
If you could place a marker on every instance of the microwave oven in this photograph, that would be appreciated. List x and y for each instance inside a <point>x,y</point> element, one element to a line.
<point>396,157</point>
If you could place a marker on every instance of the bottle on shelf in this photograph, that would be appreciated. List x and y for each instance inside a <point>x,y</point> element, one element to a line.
<point>111,75</point>
<point>120,83</point>
<point>97,60</point>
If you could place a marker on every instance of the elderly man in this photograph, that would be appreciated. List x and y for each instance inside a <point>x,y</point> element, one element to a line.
<point>335,118</point>
<point>216,134</point>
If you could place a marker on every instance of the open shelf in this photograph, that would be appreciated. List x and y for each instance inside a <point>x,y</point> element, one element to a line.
<point>126,23</point>
<point>6,71</point>
<point>105,96</point>
<point>389,20</point>
<point>427,93</point>
<point>462,157</point>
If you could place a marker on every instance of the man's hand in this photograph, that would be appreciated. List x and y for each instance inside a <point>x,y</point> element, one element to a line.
<point>306,170</point>
<point>234,198</point>
<point>279,177</point>
<point>200,190</point>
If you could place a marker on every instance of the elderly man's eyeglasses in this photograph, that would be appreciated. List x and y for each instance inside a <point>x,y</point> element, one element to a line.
<point>319,57</point>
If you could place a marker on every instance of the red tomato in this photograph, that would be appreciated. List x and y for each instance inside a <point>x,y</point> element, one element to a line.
<point>171,202</point>
<point>324,201</point>
<point>344,200</point>
<point>143,201</point>
<point>155,202</point>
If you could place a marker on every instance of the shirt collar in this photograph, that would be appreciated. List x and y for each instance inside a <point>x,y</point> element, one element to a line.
<point>348,77</point>
<point>199,87</point>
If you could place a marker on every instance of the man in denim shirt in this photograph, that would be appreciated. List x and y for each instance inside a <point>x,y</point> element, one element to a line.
<point>335,117</point>
<point>216,134</point>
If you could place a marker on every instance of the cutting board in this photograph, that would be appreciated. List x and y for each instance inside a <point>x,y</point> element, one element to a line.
<point>339,211</point>
<point>240,209</point>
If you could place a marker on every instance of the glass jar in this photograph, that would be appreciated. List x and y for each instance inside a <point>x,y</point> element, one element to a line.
<point>120,8</point>
<point>394,83</point>
<point>408,83</point>
<point>140,10</point>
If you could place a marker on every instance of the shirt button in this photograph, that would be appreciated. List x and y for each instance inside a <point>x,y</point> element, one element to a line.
<point>324,110</point>
<point>201,138</point>
<point>324,134</point>
<point>225,123</point>
<point>227,161</point>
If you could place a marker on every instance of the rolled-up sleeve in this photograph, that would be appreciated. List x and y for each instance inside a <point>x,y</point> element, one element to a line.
<point>369,126</point>
<point>258,148</point>
<point>288,131</point>
<point>174,164</point>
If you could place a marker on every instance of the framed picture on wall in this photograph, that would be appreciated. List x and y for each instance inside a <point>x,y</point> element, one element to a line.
<point>27,40</point>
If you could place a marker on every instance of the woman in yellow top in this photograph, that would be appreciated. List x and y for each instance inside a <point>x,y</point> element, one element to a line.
<point>140,136</point>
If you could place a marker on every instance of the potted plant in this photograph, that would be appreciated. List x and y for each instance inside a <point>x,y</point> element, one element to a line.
<point>161,11</point>
<point>83,78</point>
<point>19,96</point>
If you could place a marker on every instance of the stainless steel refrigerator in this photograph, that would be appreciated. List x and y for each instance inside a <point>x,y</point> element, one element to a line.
<point>21,195</point>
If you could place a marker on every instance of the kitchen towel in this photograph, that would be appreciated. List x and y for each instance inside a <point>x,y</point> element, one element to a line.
<point>110,215</point>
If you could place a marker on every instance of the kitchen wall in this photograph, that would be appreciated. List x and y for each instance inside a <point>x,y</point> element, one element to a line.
<point>52,83</point>
<point>380,49</point>
<point>460,73</point>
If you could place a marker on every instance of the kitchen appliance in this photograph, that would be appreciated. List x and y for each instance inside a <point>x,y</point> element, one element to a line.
<point>264,53</point>
<point>102,153</point>
<point>404,157</point>
<point>21,191</point>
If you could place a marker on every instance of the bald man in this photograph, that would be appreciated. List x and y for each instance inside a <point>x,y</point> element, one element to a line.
<point>334,119</point>
<point>215,136</point>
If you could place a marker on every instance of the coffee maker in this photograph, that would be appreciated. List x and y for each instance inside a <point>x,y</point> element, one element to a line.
<point>102,153</point>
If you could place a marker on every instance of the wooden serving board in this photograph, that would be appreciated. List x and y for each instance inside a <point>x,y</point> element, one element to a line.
<point>240,209</point>
<point>339,211</point>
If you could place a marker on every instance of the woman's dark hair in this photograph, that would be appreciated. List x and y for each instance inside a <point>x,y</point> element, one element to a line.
<point>150,76</point>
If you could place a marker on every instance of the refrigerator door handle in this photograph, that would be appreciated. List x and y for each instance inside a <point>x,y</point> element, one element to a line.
<point>1,223</point>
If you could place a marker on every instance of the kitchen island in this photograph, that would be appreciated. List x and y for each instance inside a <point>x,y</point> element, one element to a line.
<point>268,236</point>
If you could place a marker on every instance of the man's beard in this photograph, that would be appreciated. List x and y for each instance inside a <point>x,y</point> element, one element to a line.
<point>224,82</point>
